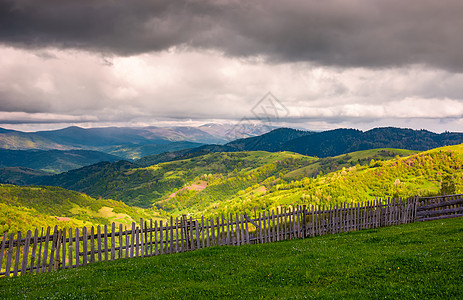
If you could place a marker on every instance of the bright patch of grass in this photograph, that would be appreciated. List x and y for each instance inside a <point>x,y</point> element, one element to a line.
<point>414,261</point>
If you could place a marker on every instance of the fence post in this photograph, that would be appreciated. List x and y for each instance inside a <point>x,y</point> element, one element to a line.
<point>58,244</point>
<point>304,221</point>
<point>415,207</point>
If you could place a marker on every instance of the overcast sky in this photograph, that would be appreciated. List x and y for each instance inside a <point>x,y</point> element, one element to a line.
<point>331,63</point>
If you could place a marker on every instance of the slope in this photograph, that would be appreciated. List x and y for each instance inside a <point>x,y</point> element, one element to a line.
<point>432,172</point>
<point>25,208</point>
<point>142,186</point>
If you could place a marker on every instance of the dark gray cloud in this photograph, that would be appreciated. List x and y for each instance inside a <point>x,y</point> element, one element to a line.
<point>369,33</point>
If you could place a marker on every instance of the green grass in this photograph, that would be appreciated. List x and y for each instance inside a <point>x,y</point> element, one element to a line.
<point>414,261</point>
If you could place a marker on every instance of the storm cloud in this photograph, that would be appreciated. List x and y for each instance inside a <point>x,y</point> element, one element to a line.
<point>356,33</point>
<point>332,63</point>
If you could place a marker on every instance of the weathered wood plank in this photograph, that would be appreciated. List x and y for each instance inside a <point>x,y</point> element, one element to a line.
<point>2,249</point>
<point>144,242</point>
<point>25,253</point>
<point>219,238</point>
<point>113,241</point>
<point>176,236</point>
<point>142,248</point>
<point>264,225</point>
<point>34,249</point>
<point>223,237</point>
<point>121,241</point>
<point>228,231</point>
<point>198,244</point>
<point>105,239</point>
<point>84,245</point>
<point>156,250</point>
<point>172,235</point>
<point>207,233</point>
<point>132,239</point>
<point>151,237</point>
<point>9,256</point>
<point>294,223</point>
<point>431,213</point>
<point>59,243</point>
<point>238,228</point>
<point>45,251</point>
<point>440,204</point>
<point>243,228</point>
<point>18,252</point>
<point>137,241</point>
<point>63,249</point>
<point>92,245</point>
<point>53,245</point>
<point>440,217</point>
<point>98,233</point>
<point>70,264</point>
<point>246,228</point>
<point>183,235</point>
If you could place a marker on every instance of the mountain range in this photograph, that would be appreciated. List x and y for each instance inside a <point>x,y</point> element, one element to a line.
<point>97,138</point>
<point>151,145</point>
<point>321,144</point>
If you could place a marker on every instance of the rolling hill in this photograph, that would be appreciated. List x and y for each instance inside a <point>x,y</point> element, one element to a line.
<point>230,182</point>
<point>433,172</point>
<point>173,186</point>
<point>142,186</point>
<point>25,208</point>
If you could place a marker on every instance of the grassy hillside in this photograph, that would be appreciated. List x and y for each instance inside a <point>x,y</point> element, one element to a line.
<point>219,183</point>
<point>426,173</point>
<point>24,208</point>
<point>331,164</point>
<point>142,187</point>
<point>413,261</point>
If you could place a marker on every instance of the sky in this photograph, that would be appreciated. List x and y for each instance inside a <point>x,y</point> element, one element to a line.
<point>307,64</point>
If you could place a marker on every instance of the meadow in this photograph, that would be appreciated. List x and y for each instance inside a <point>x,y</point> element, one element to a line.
<point>415,261</point>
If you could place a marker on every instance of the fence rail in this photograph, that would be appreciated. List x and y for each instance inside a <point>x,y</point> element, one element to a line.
<point>70,248</point>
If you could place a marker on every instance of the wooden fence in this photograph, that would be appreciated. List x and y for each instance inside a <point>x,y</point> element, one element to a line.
<point>441,207</point>
<point>71,248</point>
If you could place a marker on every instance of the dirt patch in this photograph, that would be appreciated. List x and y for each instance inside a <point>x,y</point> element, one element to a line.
<point>65,219</point>
<point>197,186</point>
<point>261,189</point>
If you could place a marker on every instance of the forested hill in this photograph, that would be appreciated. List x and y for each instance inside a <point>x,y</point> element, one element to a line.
<point>321,144</point>
<point>26,208</point>
<point>271,141</point>
<point>340,141</point>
